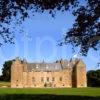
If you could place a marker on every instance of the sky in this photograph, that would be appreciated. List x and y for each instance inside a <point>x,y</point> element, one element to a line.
<point>39,41</point>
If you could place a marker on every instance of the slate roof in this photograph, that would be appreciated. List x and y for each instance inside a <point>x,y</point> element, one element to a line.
<point>48,66</point>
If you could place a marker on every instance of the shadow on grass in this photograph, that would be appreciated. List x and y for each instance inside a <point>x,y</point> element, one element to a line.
<point>45,97</point>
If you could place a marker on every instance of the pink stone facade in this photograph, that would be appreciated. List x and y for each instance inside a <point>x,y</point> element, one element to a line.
<point>60,74</point>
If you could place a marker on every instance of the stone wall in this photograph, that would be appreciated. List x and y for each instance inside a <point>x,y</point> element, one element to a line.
<point>70,77</point>
<point>17,74</point>
<point>51,79</point>
<point>80,74</point>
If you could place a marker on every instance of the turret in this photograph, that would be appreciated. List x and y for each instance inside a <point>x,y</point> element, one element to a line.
<point>80,73</point>
<point>17,73</point>
<point>25,65</point>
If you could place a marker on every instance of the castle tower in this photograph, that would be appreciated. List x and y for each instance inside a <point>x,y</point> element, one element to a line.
<point>25,74</point>
<point>17,73</point>
<point>80,73</point>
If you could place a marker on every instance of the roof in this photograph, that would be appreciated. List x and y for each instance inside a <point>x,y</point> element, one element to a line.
<point>48,66</point>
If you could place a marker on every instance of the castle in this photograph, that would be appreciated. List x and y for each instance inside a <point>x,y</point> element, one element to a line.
<point>59,74</point>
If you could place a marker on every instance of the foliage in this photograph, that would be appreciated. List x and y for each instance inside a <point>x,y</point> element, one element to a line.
<point>6,71</point>
<point>85,28</point>
<point>93,78</point>
<point>18,10</point>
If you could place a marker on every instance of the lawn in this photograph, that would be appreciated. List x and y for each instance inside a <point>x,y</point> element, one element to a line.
<point>54,91</point>
<point>50,94</point>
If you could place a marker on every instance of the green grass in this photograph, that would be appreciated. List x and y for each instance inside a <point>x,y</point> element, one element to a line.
<point>55,91</point>
<point>50,94</point>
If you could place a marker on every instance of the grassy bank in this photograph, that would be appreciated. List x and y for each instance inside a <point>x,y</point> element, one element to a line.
<point>50,94</point>
<point>4,84</point>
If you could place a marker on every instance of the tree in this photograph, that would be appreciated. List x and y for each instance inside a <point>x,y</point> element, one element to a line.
<point>93,78</point>
<point>6,71</point>
<point>19,9</point>
<point>85,28</point>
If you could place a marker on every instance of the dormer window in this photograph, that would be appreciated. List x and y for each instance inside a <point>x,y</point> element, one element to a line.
<point>37,67</point>
<point>47,67</point>
<point>68,65</point>
<point>56,67</point>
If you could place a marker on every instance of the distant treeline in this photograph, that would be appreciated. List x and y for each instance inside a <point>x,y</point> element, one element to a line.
<point>93,76</point>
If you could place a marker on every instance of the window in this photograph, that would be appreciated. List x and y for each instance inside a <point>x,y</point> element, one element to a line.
<point>60,78</point>
<point>47,79</point>
<point>63,85</point>
<point>53,79</point>
<point>17,81</point>
<point>37,67</point>
<point>33,79</point>
<point>42,79</point>
<point>47,71</point>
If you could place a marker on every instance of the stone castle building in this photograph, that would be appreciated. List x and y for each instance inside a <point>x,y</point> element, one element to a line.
<point>59,74</point>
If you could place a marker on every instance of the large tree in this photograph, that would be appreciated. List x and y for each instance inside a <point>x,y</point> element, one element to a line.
<point>6,71</point>
<point>84,33</point>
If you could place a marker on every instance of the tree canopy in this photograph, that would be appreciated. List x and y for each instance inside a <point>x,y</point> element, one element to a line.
<point>85,28</point>
<point>93,78</point>
<point>6,71</point>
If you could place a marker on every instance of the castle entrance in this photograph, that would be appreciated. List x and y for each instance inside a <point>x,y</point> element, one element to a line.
<point>48,84</point>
